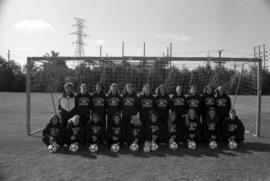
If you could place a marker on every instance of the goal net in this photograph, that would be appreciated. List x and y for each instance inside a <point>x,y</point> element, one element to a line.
<point>47,76</point>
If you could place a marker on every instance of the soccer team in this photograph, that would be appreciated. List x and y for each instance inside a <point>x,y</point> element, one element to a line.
<point>143,120</point>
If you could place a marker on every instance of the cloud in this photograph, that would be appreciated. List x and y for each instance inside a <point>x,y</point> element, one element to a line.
<point>174,37</point>
<point>100,42</point>
<point>30,26</point>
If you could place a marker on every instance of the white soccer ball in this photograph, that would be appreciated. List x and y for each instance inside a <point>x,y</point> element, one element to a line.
<point>154,146</point>
<point>213,144</point>
<point>134,147</point>
<point>74,147</point>
<point>115,147</point>
<point>147,147</point>
<point>51,148</point>
<point>233,145</point>
<point>192,145</point>
<point>93,148</point>
<point>173,146</point>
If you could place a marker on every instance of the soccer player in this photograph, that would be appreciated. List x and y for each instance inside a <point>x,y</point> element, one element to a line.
<point>208,101</point>
<point>83,104</point>
<point>53,132</point>
<point>135,132</point>
<point>173,133</point>
<point>66,104</point>
<point>233,128</point>
<point>129,108</point>
<point>98,102</point>
<point>194,101</point>
<point>146,104</point>
<point>114,132</point>
<point>163,103</point>
<point>223,104</point>
<point>152,128</point>
<point>74,131</point>
<point>193,127</point>
<point>212,126</point>
<point>179,107</point>
<point>95,130</point>
<point>114,103</point>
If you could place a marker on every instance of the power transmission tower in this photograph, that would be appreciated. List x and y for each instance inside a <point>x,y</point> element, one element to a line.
<point>220,63</point>
<point>80,36</point>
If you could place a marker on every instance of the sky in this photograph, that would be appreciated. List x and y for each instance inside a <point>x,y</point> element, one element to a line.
<point>34,27</point>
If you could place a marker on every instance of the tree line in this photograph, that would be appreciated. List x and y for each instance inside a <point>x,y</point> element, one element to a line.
<point>53,75</point>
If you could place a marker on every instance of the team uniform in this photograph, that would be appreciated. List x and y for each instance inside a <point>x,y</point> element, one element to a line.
<point>114,105</point>
<point>208,101</point>
<point>212,128</point>
<point>179,106</point>
<point>83,107</point>
<point>76,132</point>
<point>233,130</point>
<point>146,105</point>
<point>194,102</point>
<point>98,105</point>
<point>162,108</point>
<point>53,133</point>
<point>67,108</point>
<point>193,130</point>
<point>129,108</point>
<point>95,132</point>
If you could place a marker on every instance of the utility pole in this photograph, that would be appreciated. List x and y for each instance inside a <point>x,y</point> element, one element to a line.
<point>100,50</point>
<point>8,56</point>
<point>123,49</point>
<point>144,49</point>
<point>219,63</point>
<point>261,53</point>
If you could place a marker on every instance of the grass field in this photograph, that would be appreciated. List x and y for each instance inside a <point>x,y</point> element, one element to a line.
<point>26,158</point>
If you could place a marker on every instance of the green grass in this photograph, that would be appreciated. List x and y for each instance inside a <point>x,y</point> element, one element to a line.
<point>26,158</point>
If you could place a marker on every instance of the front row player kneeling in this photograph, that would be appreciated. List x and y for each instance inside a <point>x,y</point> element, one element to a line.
<point>193,129</point>
<point>74,134</point>
<point>135,134</point>
<point>233,130</point>
<point>152,132</point>
<point>212,128</point>
<point>53,134</point>
<point>115,133</point>
<point>95,132</point>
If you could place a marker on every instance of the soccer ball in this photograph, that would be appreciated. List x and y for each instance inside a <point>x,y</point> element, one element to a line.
<point>213,144</point>
<point>134,147</point>
<point>173,146</point>
<point>73,147</point>
<point>154,146</point>
<point>93,148</point>
<point>53,147</point>
<point>192,145</point>
<point>115,147</point>
<point>147,147</point>
<point>233,145</point>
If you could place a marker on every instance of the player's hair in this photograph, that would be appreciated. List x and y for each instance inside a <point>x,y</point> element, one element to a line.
<point>157,91</point>
<point>111,86</point>
<point>126,87</point>
<point>55,116</point>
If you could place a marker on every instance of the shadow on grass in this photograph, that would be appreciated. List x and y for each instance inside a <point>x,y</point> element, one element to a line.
<point>201,151</point>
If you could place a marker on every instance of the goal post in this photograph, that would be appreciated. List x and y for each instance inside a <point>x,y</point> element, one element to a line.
<point>239,76</point>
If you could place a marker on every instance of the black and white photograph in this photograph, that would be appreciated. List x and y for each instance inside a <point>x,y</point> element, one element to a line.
<point>134,90</point>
